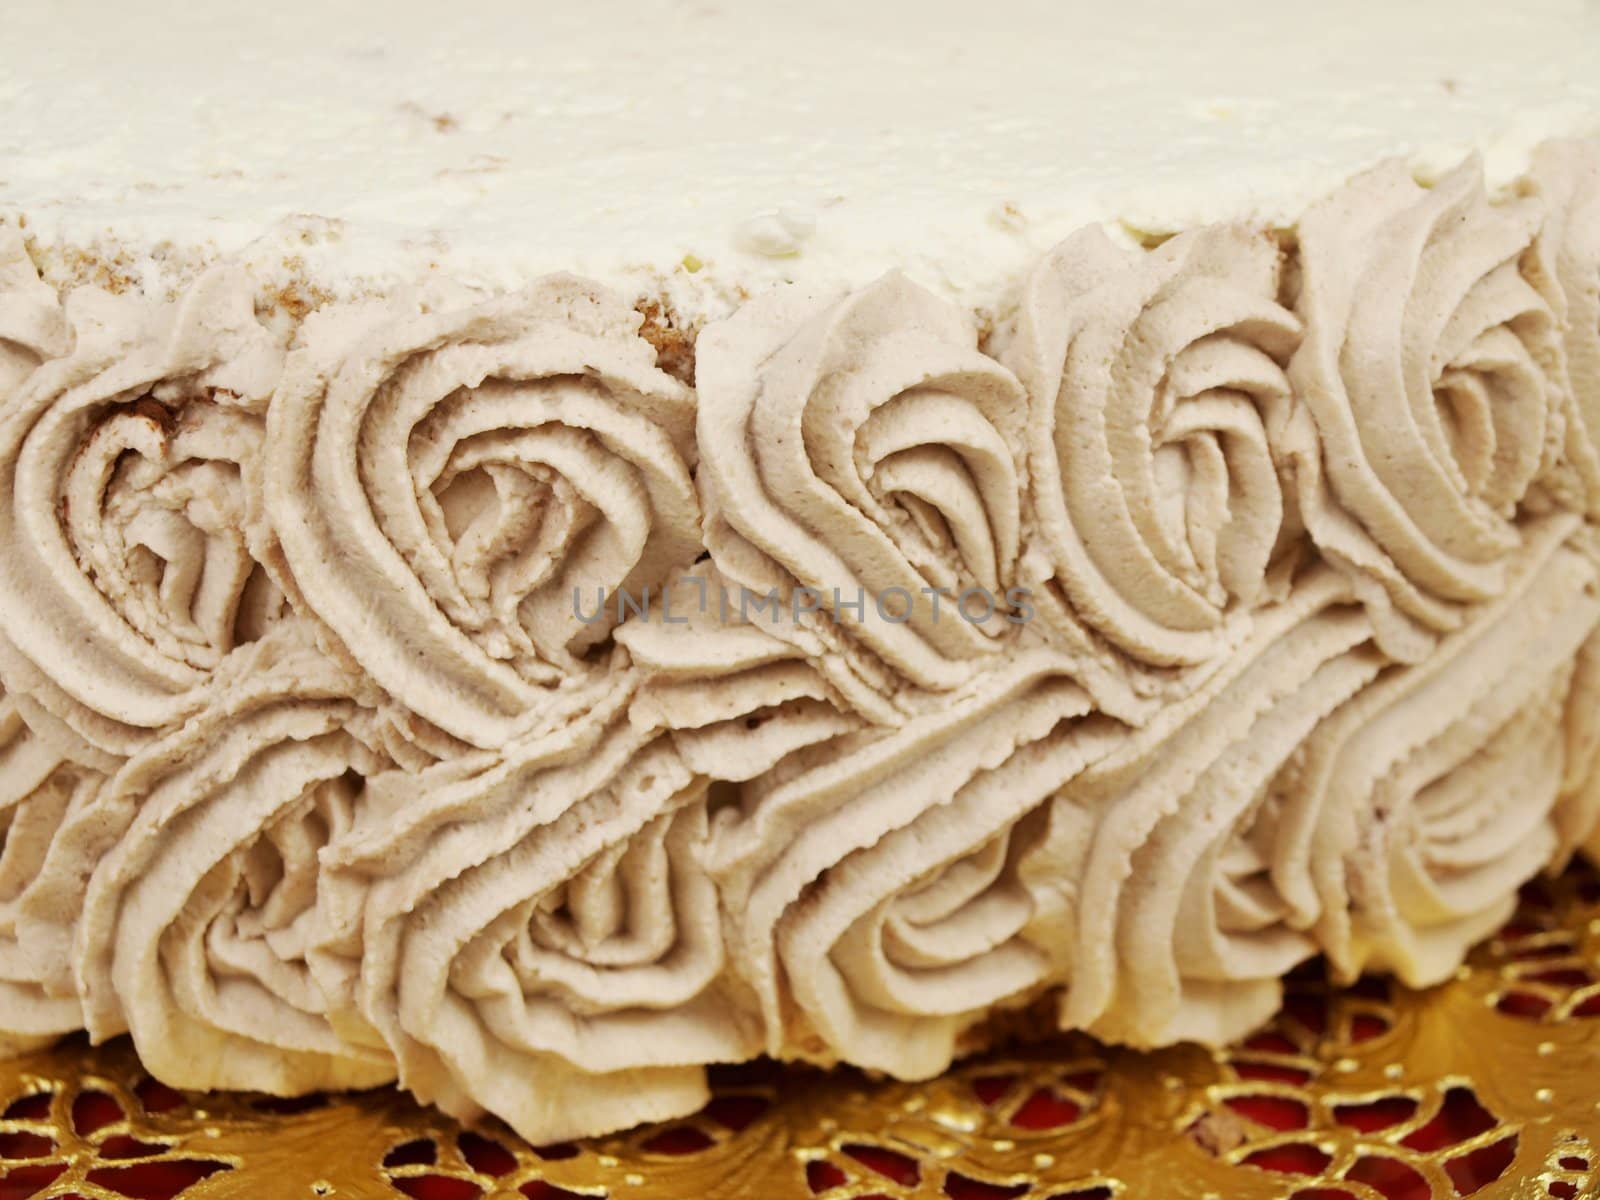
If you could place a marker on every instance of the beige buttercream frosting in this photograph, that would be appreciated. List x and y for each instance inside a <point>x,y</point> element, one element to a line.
<point>861,447</point>
<point>537,933</point>
<point>1155,383</point>
<point>444,480</point>
<point>199,928</point>
<point>1566,176</point>
<point>1184,848</point>
<point>1437,787</point>
<point>127,569</point>
<point>38,790</point>
<point>34,326</point>
<point>432,687</point>
<point>737,698</point>
<point>1428,372</point>
<point>1577,813</point>
<point>879,885</point>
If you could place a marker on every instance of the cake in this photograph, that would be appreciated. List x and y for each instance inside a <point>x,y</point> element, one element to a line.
<point>544,550</point>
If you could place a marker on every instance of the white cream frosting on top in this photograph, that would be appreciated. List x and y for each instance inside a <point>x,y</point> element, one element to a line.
<point>628,140</point>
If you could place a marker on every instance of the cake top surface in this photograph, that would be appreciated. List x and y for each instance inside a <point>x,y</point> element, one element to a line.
<point>702,149</point>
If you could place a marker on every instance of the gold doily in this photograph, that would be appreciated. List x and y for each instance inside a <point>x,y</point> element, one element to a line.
<point>1488,1086</point>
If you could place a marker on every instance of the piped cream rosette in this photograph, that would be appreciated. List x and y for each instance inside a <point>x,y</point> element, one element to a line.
<point>462,492</point>
<point>187,892</point>
<point>737,697</point>
<point>537,934</point>
<point>1577,813</point>
<point>126,569</point>
<point>1566,177</point>
<point>1438,786</point>
<point>38,791</point>
<point>880,889</point>
<point>1430,400</point>
<point>1156,383</point>
<point>1173,849</point>
<point>862,460</point>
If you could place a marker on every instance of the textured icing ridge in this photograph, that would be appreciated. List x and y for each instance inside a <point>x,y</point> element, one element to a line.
<point>1437,784</point>
<point>1154,381</point>
<point>1567,176</point>
<point>1427,370</point>
<point>1190,854</point>
<point>38,791</point>
<point>472,466</point>
<point>202,926</point>
<point>885,876</point>
<point>435,689</point>
<point>126,566</point>
<point>864,446</point>
<point>545,914</point>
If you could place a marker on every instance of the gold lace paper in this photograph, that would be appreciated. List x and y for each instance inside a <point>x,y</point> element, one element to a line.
<point>1488,1086</point>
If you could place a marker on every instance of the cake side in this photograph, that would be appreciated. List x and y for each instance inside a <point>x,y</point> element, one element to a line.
<point>428,684</point>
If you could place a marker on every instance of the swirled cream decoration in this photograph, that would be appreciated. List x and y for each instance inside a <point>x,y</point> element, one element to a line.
<point>454,490</point>
<point>38,790</point>
<point>737,698</point>
<point>538,936</point>
<point>1566,175</point>
<point>863,446</point>
<point>1178,915</point>
<point>1430,403</point>
<point>1436,787</point>
<point>1577,813</point>
<point>32,325</point>
<point>1154,382</point>
<point>199,927</point>
<point>874,890</point>
<point>126,568</point>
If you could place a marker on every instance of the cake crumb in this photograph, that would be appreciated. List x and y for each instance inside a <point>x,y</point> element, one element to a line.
<point>1218,1131</point>
<point>442,122</point>
<point>68,267</point>
<point>299,297</point>
<point>673,344</point>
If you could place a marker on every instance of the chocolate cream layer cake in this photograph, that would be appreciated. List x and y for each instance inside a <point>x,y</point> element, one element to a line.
<point>545,547</point>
